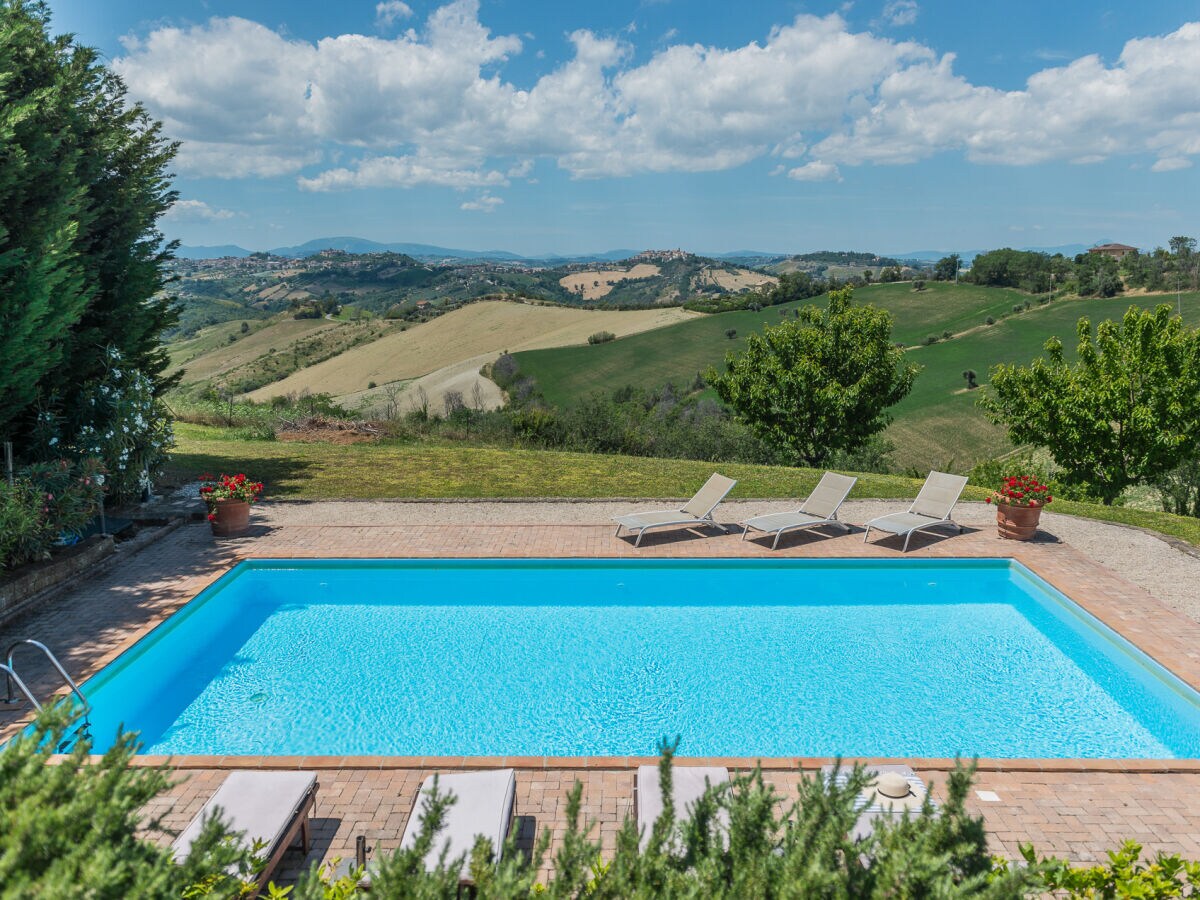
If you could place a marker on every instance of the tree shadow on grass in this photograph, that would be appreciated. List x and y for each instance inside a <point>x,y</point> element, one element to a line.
<point>282,476</point>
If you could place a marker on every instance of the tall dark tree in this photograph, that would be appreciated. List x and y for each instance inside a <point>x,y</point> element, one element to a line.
<point>83,181</point>
<point>946,268</point>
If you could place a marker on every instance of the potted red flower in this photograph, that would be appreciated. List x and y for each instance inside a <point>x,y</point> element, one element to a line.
<point>228,499</point>
<point>1019,503</point>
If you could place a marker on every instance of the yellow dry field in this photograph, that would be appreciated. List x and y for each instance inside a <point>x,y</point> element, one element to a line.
<point>479,330</point>
<point>594,284</point>
<point>225,357</point>
<point>735,281</point>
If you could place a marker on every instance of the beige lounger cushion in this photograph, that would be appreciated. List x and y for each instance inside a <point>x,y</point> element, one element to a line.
<point>828,495</point>
<point>688,784</point>
<point>938,495</point>
<point>868,810</point>
<point>262,805</point>
<point>902,523</point>
<point>709,496</point>
<point>658,517</point>
<point>483,805</point>
<point>776,521</point>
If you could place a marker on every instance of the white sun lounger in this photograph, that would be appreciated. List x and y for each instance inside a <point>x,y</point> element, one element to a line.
<point>697,511</point>
<point>868,805</point>
<point>931,509</point>
<point>821,508</point>
<point>484,805</point>
<point>688,784</point>
<point>272,807</point>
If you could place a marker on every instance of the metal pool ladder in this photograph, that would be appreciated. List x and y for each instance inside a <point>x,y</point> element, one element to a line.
<point>14,681</point>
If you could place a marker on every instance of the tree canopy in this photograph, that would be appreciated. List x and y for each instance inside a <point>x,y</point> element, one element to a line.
<point>83,182</point>
<point>819,384</point>
<point>1126,413</point>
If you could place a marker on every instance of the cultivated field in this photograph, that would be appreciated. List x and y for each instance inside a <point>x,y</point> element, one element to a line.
<point>739,280</point>
<point>594,284</point>
<point>466,337</point>
<point>210,353</point>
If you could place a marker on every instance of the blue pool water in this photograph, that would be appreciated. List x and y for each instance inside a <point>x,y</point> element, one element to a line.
<point>604,657</point>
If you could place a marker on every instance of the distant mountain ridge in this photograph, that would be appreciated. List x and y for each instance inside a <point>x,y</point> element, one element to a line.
<point>350,244</point>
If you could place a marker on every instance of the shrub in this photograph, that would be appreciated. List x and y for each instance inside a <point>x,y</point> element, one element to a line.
<point>71,492</point>
<point>946,335</point>
<point>73,827</point>
<point>601,337</point>
<point>918,285</point>
<point>119,421</point>
<point>25,533</point>
<point>989,321</point>
<point>731,333</point>
<point>370,385</point>
<point>931,339</point>
<point>1124,875</point>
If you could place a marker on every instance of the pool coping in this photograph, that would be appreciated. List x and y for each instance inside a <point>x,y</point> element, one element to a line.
<point>1089,594</point>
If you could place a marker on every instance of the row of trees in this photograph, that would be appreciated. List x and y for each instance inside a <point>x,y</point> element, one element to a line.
<point>83,182</point>
<point>1087,274</point>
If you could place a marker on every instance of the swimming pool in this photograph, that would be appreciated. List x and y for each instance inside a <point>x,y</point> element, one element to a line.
<point>926,658</point>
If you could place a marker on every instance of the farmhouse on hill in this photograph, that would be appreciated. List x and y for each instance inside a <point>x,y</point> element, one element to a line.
<point>1116,251</point>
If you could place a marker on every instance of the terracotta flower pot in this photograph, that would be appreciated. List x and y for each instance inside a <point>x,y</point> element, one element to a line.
<point>230,517</point>
<point>1017,523</point>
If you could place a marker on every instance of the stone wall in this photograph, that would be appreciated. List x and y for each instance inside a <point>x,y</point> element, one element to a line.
<point>20,589</point>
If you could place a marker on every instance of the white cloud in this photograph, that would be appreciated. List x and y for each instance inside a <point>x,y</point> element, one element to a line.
<point>900,12</point>
<point>196,211</point>
<point>432,106</point>
<point>388,12</point>
<point>404,172</point>
<point>1171,164</point>
<point>815,171</point>
<point>487,203</point>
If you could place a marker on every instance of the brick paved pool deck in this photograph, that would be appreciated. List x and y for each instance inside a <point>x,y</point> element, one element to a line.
<point>1073,808</point>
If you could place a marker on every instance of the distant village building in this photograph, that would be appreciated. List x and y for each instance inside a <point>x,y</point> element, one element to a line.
<point>1116,251</point>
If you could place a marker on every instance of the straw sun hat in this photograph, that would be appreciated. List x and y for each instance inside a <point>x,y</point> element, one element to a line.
<point>894,793</point>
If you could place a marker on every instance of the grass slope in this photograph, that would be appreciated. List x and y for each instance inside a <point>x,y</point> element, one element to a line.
<point>677,353</point>
<point>487,327</point>
<point>387,470</point>
<point>940,424</point>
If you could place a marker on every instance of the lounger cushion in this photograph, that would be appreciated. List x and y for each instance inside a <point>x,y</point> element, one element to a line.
<point>483,805</point>
<point>828,495</point>
<point>868,810</point>
<point>658,517</point>
<point>709,496</point>
<point>688,784</point>
<point>778,521</point>
<point>938,495</point>
<point>262,805</point>
<point>901,523</point>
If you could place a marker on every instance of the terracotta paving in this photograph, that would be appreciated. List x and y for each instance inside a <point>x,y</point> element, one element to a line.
<point>1078,809</point>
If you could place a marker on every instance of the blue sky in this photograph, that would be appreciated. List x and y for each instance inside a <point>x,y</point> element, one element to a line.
<point>538,127</point>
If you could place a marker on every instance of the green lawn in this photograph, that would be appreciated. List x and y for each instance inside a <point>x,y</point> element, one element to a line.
<point>678,352</point>
<point>388,470</point>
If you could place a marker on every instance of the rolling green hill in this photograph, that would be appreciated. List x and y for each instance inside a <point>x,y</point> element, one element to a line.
<point>677,353</point>
<point>937,424</point>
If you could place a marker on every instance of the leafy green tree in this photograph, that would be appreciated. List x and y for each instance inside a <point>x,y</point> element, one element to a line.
<point>819,384</point>
<point>83,182</point>
<point>946,268</point>
<point>43,290</point>
<point>1126,413</point>
<point>1097,275</point>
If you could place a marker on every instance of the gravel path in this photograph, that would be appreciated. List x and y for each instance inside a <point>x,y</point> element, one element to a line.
<point>1170,574</point>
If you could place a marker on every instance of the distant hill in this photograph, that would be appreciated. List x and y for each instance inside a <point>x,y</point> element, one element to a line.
<point>186,252</point>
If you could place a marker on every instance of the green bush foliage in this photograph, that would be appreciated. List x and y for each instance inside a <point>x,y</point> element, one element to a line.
<point>82,267</point>
<point>601,337</point>
<point>1126,413</point>
<point>1124,875</point>
<point>73,828</point>
<point>25,532</point>
<point>818,385</point>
